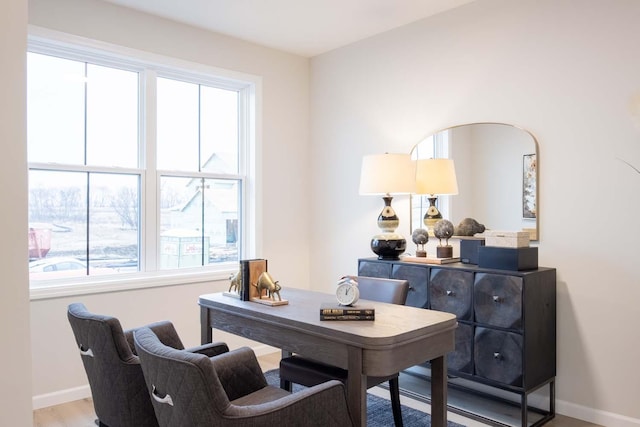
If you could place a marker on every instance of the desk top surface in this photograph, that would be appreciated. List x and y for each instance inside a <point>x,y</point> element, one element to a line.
<point>393,324</point>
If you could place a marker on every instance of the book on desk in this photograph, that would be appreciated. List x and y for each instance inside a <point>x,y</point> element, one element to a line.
<point>329,311</point>
<point>251,270</point>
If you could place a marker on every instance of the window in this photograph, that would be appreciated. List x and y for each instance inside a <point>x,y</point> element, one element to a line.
<point>135,167</point>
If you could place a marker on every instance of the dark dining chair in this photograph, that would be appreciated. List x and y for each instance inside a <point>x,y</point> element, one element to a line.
<point>301,370</point>
<point>120,396</point>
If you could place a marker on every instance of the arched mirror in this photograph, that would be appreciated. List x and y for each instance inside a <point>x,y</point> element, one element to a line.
<point>496,167</point>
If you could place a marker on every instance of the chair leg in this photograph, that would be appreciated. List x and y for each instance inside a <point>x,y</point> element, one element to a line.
<point>286,385</point>
<point>394,390</point>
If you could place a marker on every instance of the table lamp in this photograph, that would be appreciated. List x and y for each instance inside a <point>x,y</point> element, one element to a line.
<point>387,174</point>
<point>435,177</point>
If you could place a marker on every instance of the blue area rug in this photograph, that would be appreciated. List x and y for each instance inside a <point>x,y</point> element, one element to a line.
<point>378,409</point>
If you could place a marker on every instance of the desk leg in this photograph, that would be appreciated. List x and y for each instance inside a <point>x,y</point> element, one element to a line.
<point>206,334</point>
<point>356,387</point>
<point>439,392</point>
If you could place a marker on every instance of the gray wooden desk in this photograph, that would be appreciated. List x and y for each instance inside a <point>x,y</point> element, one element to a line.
<point>400,337</point>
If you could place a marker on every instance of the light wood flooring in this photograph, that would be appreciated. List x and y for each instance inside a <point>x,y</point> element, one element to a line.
<point>80,413</point>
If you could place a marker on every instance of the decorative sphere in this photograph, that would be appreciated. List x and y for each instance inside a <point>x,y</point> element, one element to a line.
<point>420,236</point>
<point>443,229</point>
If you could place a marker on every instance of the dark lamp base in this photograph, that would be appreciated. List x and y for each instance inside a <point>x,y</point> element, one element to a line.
<point>444,251</point>
<point>388,246</point>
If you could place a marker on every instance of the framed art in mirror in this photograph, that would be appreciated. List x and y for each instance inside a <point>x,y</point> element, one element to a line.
<point>529,174</point>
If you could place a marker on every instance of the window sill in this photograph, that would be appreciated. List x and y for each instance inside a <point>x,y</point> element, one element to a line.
<point>59,289</point>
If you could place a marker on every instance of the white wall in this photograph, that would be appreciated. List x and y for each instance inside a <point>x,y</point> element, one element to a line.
<point>567,71</point>
<point>284,209</point>
<point>15,392</point>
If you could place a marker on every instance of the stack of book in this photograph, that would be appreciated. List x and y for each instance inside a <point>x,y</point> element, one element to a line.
<point>345,312</point>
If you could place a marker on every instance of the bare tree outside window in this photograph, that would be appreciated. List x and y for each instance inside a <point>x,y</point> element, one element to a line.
<point>125,204</point>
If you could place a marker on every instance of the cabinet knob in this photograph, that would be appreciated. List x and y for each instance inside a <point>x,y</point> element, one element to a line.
<point>496,298</point>
<point>450,293</point>
<point>497,356</point>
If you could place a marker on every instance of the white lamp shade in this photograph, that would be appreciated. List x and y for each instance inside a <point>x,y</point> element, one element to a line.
<point>436,176</point>
<point>387,174</point>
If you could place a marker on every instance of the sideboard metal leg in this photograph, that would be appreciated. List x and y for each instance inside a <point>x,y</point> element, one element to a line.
<point>552,398</point>
<point>524,409</point>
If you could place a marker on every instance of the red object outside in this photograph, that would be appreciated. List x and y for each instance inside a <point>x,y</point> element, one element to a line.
<point>39,242</point>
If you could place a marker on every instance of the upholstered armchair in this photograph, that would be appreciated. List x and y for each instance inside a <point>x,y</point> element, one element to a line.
<point>120,396</point>
<point>301,370</point>
<point>229,390</point>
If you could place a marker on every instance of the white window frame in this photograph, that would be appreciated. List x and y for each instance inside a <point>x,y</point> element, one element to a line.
<point>150,66</point>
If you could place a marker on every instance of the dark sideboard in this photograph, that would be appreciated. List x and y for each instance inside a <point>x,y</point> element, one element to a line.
<point>506,336</point>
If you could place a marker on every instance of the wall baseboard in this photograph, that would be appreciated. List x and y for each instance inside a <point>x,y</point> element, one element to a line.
<point>61,396</point>
<point>595,416</point>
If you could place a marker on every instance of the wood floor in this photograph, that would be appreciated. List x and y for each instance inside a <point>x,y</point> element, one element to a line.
<point>80,413</point>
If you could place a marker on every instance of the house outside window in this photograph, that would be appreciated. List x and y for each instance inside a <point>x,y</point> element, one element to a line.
<point>135,167</point>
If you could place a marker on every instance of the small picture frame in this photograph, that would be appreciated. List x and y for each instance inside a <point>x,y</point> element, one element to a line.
<point>529,190</point>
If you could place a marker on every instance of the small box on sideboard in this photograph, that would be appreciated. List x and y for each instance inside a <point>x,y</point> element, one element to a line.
<point>507,239</point>
<point>469,250</point>
<point>514,259</point>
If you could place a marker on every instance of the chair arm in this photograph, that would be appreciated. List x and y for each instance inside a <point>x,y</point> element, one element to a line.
<point>239,372</point>
<point>210,350</point>
<point>325,404</point>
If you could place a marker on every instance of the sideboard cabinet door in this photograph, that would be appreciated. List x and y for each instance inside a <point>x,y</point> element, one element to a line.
<point>498,300</point>
<point>498,356</point>
<point>451,291</point>
<point>418,295</point>
<point>374,269</point>
<point>461,358</point>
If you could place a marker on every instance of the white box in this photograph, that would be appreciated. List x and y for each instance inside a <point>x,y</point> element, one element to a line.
<point>507,239</point>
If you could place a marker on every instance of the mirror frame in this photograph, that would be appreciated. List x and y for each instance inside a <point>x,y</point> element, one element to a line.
<point>534,237</point>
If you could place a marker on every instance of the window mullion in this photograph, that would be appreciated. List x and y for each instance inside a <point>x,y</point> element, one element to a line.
<point>88,177</point>
<point>203,181</point>
<point>199,128</point>
<point>88,216</point>
<point>150,205</point>
<point>248,167</point>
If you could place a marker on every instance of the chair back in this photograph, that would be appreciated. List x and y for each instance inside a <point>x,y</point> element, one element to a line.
<point>391,291</point>
<point>185,390</point>
<point>117,385</point>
